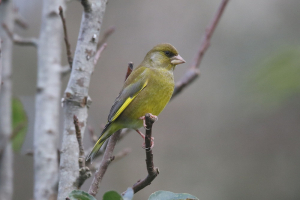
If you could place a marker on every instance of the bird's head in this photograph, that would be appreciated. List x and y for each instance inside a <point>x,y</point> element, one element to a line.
<point>163,55</point>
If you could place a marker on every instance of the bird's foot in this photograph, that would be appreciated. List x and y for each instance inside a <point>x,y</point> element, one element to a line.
<point>154,117</point>
<point>143,136</point>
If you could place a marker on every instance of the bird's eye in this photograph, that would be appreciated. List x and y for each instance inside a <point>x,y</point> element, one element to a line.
<point>169,54</point>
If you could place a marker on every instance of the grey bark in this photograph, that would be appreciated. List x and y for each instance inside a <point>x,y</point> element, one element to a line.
<point>47,102</point>
<point>75,101</point>
<point>6,159</point>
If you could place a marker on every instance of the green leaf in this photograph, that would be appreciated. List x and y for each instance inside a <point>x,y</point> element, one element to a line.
<point>112,195</point>
<point>166,195</point>
<point>276,77</point>
<point>19,124</point>
<point>80,195</point>
<point>128,194</point>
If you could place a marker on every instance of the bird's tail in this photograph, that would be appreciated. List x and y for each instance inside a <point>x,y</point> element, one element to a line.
<point>106,133</point>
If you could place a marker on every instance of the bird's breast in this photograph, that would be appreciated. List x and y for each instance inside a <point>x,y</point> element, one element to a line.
<point>152,99</point>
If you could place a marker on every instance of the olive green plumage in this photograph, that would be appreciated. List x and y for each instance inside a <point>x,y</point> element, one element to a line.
<point>148,89</point>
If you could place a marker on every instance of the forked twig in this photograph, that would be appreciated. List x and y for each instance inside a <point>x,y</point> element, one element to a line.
<point>152,171</point>
<point>193,72</point>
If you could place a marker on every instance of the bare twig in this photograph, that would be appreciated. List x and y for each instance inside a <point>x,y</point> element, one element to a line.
<point>16,130</point>
<point>94,139</point>
<point>92,134</point>
<point>106,35</point>
<point>122,154</point>
<point>31,153</point>
<point>86,5</point>
<point>98,53</point>
<point>19,40</point>
<point>107,158</point>
<point>129,70</point>
<point>84,172</point>
<point>68,46</point>
<point>65,70</point>
<point>93,166</point>
<point>14,133</point>
<point>152,171</point>
<point>81,160</point>
<point>20,21</point>
<point>193,72</point>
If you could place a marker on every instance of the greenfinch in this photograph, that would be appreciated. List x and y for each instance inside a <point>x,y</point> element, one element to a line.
<point>147,89</point>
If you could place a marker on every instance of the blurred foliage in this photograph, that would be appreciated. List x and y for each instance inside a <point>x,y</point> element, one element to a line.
<point>166,195</point>
<point>128,195</point>
<point>19,124</point>
<point>112,195</point>
<point>80,195</point>
<point>277,77</point>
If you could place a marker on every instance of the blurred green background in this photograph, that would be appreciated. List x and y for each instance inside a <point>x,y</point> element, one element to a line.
<point>233,134</point>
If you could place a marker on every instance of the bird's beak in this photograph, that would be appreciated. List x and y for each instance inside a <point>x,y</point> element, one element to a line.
<point>176,60</point>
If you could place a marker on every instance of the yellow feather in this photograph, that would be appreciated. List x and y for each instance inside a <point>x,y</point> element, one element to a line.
<point>127,102</point>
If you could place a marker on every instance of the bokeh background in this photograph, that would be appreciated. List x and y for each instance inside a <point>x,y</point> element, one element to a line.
<point>233,134</point>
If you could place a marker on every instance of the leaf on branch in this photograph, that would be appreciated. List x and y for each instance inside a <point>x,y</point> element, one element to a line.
<point>128,194</point>
<point>20,123</point>
<point>112,195</point>
<point>166,195</point>
<point>80,195</point>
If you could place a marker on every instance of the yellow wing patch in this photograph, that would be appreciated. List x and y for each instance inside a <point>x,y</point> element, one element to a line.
<point>127,102</point>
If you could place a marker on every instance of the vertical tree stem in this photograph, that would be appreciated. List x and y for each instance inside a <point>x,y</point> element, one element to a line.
<point>47,102</point>
<point>76,100</point>
<point>6,159</point>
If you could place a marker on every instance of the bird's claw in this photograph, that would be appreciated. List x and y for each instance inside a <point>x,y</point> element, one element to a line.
<point>152,144</point>
<point>143,136</point>
<point>154,117</point>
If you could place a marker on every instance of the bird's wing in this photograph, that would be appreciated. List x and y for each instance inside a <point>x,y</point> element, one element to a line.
<point>128,93</point>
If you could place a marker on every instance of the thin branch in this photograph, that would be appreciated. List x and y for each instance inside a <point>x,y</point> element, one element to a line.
<point>86,5</point>
<point>84,172</point>
<point>193,72</point>
<point>65,70</point>
<point>9,138</point>
<point>106,35</point>
<point>107,157</point>
<point>81,160</point>
<point>152,171</point>
<point>93,166</point>
<point>20,21</point>
<point>124,132</point>
<point>129,70</point>
<point>16,130</point>
<point>18,39</point>
<point>98,53</point>
<point>106,160</point>
<point>92,134</point>
<point>68,46</point>
<point>122,154</point>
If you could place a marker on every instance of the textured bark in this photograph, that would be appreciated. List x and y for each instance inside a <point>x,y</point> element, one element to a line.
<point>76,100</point>
<point>6,159</point>
<point>47,101</point>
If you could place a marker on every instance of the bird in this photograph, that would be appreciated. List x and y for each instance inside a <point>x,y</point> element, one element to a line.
<point>147,89</point>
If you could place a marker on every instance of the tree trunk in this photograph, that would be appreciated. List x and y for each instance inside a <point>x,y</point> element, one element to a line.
<point>76,93</point>
<point>6,157</point>
<point>47,101</point>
